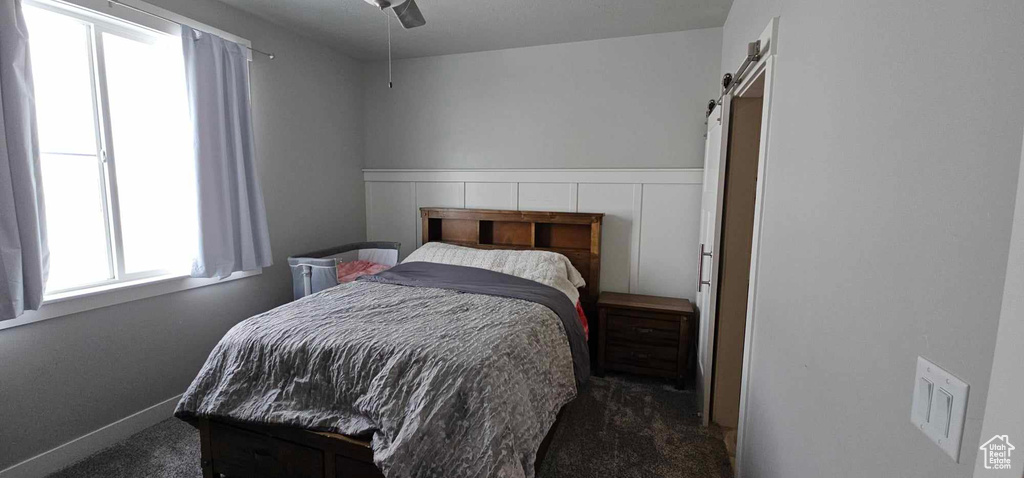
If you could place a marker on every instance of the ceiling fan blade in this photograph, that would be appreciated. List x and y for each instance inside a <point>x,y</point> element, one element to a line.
<point>409,14</point>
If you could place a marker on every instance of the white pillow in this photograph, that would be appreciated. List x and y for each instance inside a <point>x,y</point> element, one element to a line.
<point>548,268</point>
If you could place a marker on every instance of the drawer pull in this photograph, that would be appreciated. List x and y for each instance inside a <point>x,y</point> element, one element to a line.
<point>641,356</point>
<point>643,330</point>
<point>261,456</point>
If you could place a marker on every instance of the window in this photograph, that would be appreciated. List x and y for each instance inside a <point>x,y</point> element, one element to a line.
<point>116,148</point>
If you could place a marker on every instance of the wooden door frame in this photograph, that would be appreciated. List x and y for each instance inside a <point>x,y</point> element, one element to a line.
<point>764,67</point>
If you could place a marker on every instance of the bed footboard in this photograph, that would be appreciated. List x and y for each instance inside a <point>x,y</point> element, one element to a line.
<point>243,450</point>
<point>232,450</point>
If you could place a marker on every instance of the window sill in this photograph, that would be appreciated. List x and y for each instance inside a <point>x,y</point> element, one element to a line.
<point>68,303</point>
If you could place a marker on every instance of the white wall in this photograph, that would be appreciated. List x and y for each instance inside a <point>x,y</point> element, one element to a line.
<point>1004,414</point>
<point>65,377</point>
<point>623,102</point>
<point>747,19</point>
<point>889,193</point>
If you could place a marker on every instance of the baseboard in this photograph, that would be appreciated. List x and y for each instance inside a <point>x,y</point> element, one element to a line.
<point>92,442</point>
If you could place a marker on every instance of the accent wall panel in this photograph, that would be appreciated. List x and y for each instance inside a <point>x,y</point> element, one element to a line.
<point>649,239</point>
<point>547,197</point>
<point>668,251</point>
<point>621,205</point>
<point>437,195</point>
<point>390,208</point>
<point>504,196</point>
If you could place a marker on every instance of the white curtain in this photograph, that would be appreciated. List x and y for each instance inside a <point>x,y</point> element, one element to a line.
<point>24,257</point>
<point>233,232</point>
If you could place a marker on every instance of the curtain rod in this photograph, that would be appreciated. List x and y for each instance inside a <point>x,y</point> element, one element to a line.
<point>137,9</point>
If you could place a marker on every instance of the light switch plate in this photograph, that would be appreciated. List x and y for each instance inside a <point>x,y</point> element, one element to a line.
<point>940,406</point>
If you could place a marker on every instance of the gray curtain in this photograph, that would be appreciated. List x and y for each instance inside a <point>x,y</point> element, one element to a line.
<point>233,232</point>
<point>24,257</point>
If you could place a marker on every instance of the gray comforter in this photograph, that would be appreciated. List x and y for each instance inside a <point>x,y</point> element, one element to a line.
<point>451,373</point>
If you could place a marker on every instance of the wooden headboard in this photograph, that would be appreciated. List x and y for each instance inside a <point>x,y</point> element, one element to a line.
<point>572,234</point>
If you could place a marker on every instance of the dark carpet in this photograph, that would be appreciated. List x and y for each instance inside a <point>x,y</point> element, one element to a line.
<point>620,427</point>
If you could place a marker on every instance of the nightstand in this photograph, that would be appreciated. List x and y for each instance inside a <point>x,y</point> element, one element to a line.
<point>644,335</point>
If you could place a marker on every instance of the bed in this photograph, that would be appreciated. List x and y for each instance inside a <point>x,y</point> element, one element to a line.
<point>431,368</point>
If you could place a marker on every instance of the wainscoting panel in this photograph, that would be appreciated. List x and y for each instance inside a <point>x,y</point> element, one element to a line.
<point>559,197</point>
<point>503,196</point>
<point>652,216</point>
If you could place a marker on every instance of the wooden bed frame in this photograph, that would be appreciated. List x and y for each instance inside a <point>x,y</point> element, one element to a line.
<point>231,449</point>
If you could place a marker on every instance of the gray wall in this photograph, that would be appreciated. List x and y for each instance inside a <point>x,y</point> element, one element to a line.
<point>1004,414</point>
<point>887,215</point>
<point>617,103</point>
<point>65,377</point>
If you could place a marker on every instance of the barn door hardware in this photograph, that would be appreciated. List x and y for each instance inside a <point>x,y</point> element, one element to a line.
<point>729,80</point>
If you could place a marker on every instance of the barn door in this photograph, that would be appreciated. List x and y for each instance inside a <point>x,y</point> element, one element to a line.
<point>710,240</point>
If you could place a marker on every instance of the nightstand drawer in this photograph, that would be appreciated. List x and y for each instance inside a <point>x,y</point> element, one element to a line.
<point>627,329</point>
<point>643,356</point>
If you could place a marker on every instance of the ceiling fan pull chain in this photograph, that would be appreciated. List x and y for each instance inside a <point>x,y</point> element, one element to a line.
<point>390,84</point>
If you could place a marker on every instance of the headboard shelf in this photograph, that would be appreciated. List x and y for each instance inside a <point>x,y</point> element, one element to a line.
<point>574,235</point>
<point>506,233</point>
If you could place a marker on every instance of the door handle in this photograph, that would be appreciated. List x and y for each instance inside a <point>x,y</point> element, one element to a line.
<point>700,269</point>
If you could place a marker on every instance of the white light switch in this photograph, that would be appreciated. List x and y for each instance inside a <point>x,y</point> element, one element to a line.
<point>923,399</point>
<point>939,407</point>
<point>942,408</point>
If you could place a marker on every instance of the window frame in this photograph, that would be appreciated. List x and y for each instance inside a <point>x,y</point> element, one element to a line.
<point>96,26</point>
<point>100,17</point>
